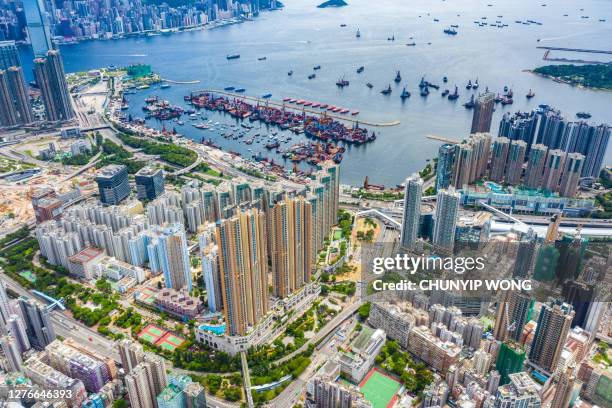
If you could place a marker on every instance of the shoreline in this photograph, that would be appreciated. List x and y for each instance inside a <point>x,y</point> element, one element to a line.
<point>565,82</point>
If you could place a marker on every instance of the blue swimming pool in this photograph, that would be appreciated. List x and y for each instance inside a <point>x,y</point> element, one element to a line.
<point>216,329</point>
<point>494,187</point>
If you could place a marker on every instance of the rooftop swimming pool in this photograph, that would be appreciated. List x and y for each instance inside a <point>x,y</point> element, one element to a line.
<point>217,329</point>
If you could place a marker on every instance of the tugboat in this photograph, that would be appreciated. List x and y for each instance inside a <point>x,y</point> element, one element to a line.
<point>476,85</point>
<point>470,104</point>
<point>445,79</point>
<point>398,77</point>
<point>386,91</point>
<point>445,92</point>
<point>358,34</point>
<point>360,69</point>
<point>530,94</point>
<point>425,91</point>
<point>454,95</point>
<point>312,76</point>
<point>369,85</point>
<point>583,115</point>
<point>469,85</point>
<point>290,73</point>
<point>405,94</point>
<point>342,82</point>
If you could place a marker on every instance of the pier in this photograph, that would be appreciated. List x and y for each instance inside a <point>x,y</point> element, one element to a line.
<point>575,50</point>
<point>264,101</point>
<point>170,81</point>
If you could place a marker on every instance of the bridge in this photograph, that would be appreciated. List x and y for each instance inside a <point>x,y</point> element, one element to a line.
<point>53,302</point>
<point>378,214</point>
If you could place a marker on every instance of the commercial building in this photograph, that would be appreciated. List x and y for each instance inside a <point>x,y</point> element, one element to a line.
<point>412,211</point>
<point>113,184</point>
<point>9,55</point>
<point>149,183</point>
<point>554,323</point>
<point>483,113</point>
<point>445,220</point>
<point>51,80</point>
<point>473,229</point>
<point>37,22</point>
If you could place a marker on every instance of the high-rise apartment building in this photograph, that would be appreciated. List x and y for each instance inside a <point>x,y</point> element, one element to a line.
<point>243,267</point>
<point>444,166</point>
<point>51,80</point>
<point>572,169</point>
<point>483,113</point>
<point>10,350</point>
<point>535,165</point>
<point>514,310</point>
<point>553,169</point>
<point>8,112</point>
<point>554,323</point>
<point>471,159</point>
<point>510,360</point>
<point>5,307</point>
<point>519,126</point>
<point>17,329</point>
<point>412,211</point>
<point>499,155</point>
<point>595,150</point>
<point>149,183</point>
<point>131,354</point>
<point>291,240</point>
<point>445,221</point>
<point>565,388</point>
<point>38,324</point>
<point>168,252</point>
<point>19,91</point>
<point>514,162</point>
<point>113,184</point>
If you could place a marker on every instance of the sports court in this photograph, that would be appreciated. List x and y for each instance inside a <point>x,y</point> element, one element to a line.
<point>379,388</point>
<point>151,334</point>
<point>169,341</point>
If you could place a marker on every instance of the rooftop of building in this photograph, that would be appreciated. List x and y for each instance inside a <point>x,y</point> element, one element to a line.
<point>86,255</point>
<point>110,170</point>
<point>148,171</point>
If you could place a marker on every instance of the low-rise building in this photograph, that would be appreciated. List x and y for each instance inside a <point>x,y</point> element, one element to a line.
<point>84,263</point>
<point>356,363</point>
<point>179,303</point>
<point>114,269</point>
<point>434,352</point>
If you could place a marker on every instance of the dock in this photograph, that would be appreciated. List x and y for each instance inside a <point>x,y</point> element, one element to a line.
<point>264,101</point>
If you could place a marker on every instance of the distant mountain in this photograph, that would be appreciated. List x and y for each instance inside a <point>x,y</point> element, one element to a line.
<point>333,3</point>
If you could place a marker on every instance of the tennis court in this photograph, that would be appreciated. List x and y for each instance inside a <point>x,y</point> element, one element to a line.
<point>169,341</point>
<point>151,334</point>
<point>379,388</point>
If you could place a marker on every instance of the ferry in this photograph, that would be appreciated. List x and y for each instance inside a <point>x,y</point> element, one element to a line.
<point>229,88</point>
<point>266,96</point>
<point>239,90</point>
<point>232,56</point>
